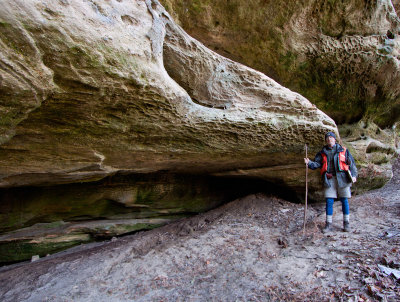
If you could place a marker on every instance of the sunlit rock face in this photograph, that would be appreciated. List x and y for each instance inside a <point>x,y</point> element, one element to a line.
<point>93,88</point>
<point>91,91</point>
<point>96,89</point>
<point>342,56</point>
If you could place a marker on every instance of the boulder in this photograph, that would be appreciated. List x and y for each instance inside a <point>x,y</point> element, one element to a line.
<point>374,150</point>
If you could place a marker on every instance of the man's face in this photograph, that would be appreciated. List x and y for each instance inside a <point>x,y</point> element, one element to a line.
<point>330,141</point>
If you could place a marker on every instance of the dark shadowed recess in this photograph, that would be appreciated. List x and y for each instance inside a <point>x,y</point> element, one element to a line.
<point>140,201</point>
<point>139,195</point>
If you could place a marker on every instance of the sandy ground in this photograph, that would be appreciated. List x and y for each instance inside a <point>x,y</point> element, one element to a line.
<point>252,249</point>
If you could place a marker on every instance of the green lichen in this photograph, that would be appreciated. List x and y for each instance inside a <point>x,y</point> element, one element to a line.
<point>138,196</point>
<point>24,249</point>
<point>23,207</point>
<point>54,209</point>
<point>4,23</point>
<point>259,34</point>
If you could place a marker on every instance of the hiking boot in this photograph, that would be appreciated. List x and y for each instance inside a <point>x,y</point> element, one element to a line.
<point>327,228</point>
<point>346,226</point>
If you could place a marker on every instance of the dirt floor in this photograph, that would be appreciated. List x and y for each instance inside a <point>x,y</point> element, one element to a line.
<point>252,249</point>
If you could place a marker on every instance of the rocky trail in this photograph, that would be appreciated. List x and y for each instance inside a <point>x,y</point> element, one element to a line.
<point>251,249</point>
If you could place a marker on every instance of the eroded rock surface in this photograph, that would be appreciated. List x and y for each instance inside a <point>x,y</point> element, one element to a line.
<point>43,220</point>
<point>374,149</point>
<point>97,88</point>
<point>343,56</point>
<point>96,99</point>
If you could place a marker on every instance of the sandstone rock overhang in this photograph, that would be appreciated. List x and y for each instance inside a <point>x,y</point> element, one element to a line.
<point>89,89</point>
<point>342,55</point>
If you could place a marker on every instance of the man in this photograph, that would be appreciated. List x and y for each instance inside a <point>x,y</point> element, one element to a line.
<point>338,172</point>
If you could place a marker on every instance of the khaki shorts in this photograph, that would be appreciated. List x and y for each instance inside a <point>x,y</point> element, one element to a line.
<point>333,191</point>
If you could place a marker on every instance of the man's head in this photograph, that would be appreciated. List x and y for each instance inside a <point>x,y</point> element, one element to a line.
<point>330,138</point>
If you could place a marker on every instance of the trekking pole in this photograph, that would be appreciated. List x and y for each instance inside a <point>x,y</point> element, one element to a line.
<point>305,207</point>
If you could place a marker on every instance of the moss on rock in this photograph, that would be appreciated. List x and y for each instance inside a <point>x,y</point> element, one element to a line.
<point>328,51</point>
<point>20,250</point>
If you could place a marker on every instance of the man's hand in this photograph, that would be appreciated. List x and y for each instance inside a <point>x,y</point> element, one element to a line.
<point>354,179</point>
<point>306,161</point>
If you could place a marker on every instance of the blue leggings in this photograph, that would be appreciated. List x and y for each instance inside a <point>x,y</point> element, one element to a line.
<point>345,206</point>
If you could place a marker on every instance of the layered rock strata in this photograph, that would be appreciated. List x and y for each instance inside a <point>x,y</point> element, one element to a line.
<point>88,95</point>
<point>98,88</point>
<point>94,89</point>
<point>43,220</point>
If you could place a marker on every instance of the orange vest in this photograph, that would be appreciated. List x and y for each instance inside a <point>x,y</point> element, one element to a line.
<point>342,162</point>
